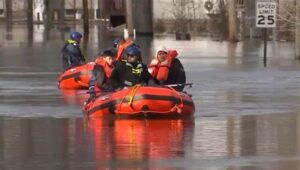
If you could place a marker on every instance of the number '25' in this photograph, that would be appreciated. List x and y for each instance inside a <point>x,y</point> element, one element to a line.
<point>262,19</point>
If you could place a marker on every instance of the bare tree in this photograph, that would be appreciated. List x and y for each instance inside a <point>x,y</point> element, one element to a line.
<point>217,24</point>
<point>286,20</point>
<point>288,17</point>
<point>184,12</point>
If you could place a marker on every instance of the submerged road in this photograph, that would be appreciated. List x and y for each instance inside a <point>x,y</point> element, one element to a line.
<point>246,114</point>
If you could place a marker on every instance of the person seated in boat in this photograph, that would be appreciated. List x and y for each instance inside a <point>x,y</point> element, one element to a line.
<point>131,71</point>
<point>121,44</point>
<point>166,69</point>
<point>71,52</point>
<point>104,64</point>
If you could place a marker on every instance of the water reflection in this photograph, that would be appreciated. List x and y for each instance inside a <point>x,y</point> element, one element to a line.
<point>273,142</point>
<point>140,139</point>
<point>66,143</point>
<point>74,97</point>
<point>248,141</point>
<point>253,142</point>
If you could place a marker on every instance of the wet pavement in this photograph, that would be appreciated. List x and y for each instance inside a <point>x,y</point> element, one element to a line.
<point>246,114</point>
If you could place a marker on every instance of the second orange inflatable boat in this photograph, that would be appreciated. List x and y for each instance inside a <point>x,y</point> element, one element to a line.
<point>76,77</point>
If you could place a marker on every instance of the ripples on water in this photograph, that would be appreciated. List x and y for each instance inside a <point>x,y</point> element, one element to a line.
<point>246,115</point>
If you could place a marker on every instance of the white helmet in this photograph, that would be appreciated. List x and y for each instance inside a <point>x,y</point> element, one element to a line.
<point>161,48</point>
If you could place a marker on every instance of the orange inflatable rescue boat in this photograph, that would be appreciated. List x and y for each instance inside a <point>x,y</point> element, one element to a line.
<point>76,77</point>
<point>144,101</point>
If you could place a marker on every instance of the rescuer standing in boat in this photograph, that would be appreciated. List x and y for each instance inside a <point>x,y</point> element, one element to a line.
<point>122,45</point>
<point>71,52</point>
<point>104,64</point>
<point>166,69</point>
<point>130,72</point>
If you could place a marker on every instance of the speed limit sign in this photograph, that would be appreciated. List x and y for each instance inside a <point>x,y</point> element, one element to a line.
<point>266,13</point>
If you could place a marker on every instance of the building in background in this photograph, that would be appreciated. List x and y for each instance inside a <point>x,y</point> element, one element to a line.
<point>72,8</point>
<point>2,8</point>
<point>201,17</point>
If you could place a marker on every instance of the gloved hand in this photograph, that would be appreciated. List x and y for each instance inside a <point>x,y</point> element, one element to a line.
<point>92,89</point>
<point>106,88</point>
<point>152,83</point>
<point>92,93</point>
<point>92,96</point>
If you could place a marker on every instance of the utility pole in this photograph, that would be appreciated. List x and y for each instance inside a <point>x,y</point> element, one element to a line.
<point>232,27</point>
<point>250,15</point>
<point>8,15</point>
<point>297,30</point>
<point>85,17</point>
<point>47,19</point>
<point>143,23</point>
<point>129,17</point>
<point>62,13</point>
<point>101,6</point>
<point>85,22</point>
<point>30,21</point>
<point>240,8</point>
<point>75,11</point>
<point>100,24</point>
<point>61,21</point>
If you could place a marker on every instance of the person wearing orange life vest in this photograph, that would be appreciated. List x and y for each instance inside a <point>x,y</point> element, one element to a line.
<point>104,64</point>
<point>121,45</point>
<point>166,69</point>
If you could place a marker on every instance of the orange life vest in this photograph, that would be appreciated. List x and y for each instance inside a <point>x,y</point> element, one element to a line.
<point>107,68</point>
<point>160,70</point>
<point>122,47</point>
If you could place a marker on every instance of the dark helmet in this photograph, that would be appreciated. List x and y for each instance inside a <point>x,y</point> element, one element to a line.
<point>109,52</point>
<point>116,42</point>
<point>75,36</point>
<point>133,51</point>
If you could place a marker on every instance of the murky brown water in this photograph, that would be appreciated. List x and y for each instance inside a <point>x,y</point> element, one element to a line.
<point>246,114</point>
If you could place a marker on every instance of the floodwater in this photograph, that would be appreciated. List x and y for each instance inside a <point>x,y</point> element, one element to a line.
<point>246,114</point>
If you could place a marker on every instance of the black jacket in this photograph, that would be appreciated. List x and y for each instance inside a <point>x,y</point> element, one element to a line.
<point>98,77</point>
<point>176,75</point>
<point>126,75</point>
<point>72,55</point>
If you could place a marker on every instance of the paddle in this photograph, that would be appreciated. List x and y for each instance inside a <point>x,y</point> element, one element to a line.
<point>88,92</point>
<point>182,84</point>
<point>168,85</point>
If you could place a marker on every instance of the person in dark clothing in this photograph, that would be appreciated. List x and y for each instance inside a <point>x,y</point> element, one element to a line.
<point>71,52</point>
<point>166,69</point>
<point>104,64</point>
<point>130,72</point>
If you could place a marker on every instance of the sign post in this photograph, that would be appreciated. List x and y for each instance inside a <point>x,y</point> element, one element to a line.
<point>266,18</point>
